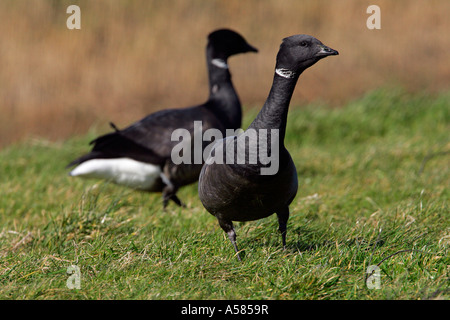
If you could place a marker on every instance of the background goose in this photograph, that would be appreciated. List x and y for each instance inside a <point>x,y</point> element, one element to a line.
<point>139,156</point>
<point>242,192</point>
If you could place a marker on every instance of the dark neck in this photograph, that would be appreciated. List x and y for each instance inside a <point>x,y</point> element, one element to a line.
<point>223,99</point>
<point>218,71</point>
<point>273,114</point>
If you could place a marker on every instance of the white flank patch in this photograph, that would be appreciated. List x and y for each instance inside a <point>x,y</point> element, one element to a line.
<point>123,171</point>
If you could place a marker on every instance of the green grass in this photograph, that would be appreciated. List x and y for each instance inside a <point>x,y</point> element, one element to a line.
<point>366,197</point>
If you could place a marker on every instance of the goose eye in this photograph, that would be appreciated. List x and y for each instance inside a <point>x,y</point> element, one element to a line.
<point>304,44</point>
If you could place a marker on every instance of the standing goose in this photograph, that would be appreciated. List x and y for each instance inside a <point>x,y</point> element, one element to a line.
<point>246,190</point>
<point>139,156</point>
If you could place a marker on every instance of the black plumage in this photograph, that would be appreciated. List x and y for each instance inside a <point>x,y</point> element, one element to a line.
<point>240,192</point>
<point>149,140</point>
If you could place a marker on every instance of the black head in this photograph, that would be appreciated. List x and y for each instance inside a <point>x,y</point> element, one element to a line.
<point>224,43</point>
<point>300,52</point>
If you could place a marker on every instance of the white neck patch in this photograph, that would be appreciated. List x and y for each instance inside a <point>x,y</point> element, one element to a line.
<point>219,63</point>
<point>285,73</point>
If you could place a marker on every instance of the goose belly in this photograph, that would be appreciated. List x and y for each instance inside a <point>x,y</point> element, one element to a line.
<point>122,171</point>
<point>236,197</point>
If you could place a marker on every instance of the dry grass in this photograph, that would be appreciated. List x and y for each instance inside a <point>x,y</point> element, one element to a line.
<point>363,200</point>
<point>134,57</point>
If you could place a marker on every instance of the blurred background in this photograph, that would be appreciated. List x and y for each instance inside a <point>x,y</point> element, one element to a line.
<point>133,57</point>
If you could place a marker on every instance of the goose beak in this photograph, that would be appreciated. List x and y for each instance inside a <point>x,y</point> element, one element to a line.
<point>326,51</point>
<point>251,48</point>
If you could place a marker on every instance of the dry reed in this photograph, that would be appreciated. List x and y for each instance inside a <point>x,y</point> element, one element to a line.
<point>134,57</point>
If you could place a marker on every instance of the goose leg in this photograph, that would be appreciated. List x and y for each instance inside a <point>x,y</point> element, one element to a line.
<point>169,192</point>
<point>283,217</point>
<point>228,227</point>
<point>177,200</point>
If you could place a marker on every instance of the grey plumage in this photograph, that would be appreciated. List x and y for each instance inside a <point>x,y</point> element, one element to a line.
<point>239,192</point>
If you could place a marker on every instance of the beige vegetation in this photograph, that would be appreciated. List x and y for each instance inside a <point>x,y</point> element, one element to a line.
<point>134,57</point>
